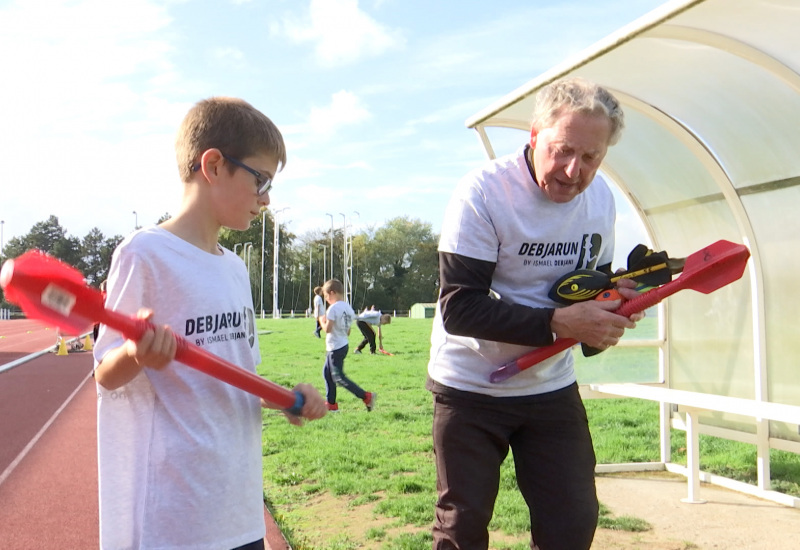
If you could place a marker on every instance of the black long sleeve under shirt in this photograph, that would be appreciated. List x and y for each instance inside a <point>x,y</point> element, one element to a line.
<point>469,310</point>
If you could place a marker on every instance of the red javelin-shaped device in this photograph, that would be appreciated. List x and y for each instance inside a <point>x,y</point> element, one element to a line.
<point>55,293</point>
<point>705,271</point>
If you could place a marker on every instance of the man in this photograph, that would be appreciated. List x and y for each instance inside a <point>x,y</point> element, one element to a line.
<point>511,229</point>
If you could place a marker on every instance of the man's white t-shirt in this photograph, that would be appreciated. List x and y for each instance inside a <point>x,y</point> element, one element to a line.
<point>499,214</point>
<point>342,316</point>
<point>180,451</point>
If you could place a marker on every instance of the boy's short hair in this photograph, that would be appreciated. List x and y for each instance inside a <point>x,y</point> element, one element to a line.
<point>334,285</point>
<point>231,125</point>
<point>386,319</point>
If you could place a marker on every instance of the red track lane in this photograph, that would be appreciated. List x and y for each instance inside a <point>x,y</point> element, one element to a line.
<point>48,473</point>
<point>31,393</point>
<point>21,337</point>
<point>50,499</point>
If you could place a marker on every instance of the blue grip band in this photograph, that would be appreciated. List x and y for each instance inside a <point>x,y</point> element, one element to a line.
<point>299,401</point>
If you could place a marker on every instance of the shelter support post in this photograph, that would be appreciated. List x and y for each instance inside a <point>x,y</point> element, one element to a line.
<point>762,458</point>
<point>693,458</point>
<point>665,412</point>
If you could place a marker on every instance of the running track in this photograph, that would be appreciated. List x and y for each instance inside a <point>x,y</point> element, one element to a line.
<point>48,445</point>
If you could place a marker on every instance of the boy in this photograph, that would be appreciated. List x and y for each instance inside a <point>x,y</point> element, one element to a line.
<point>363,321</point>
<point>179,452</point>
<point>336,323</point>
<point>319,309</point>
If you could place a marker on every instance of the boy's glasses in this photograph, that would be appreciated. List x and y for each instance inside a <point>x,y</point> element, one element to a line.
<point>263,181</point>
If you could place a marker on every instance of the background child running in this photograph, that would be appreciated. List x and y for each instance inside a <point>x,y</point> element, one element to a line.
<point>366,318</point>
<point>336,323</point>
<point>179,452</point>
<point>319,309</point>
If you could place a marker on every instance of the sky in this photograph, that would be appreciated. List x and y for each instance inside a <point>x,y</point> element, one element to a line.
<point>371,97</point>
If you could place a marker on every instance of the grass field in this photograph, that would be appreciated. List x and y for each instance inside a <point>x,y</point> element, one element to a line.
<point>367,480</point>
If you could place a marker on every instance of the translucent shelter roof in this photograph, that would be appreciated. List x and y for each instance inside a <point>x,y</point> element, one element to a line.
<point>711,150</point>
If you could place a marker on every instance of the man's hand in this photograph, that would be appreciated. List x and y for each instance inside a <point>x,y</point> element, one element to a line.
<point>594,322</point>
<point>626,287</point>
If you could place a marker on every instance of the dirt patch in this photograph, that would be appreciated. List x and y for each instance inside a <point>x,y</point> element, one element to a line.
<point>727,520</point>
<point>325,521</point>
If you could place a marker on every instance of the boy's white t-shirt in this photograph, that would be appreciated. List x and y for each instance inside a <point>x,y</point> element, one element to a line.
<point>179,451</point>
<point>370,316</point>
<point>499,214</point>
<point>342,316</point>
<point>319,306</point>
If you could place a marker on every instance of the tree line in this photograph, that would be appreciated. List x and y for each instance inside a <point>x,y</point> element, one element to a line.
<point>390,267</point>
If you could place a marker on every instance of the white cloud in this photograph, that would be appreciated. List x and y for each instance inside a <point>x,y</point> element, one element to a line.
<point>64,57</point>
<point>507,44</point>
<point>229,56</point>
<point>345,108</point>
<point>307,169</point>
<point>341,32</point>
<point>456,111</point>
<point>86,102</point>
<point>323,122</point>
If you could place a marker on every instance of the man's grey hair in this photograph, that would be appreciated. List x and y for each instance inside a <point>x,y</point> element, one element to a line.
<point>576,95</point>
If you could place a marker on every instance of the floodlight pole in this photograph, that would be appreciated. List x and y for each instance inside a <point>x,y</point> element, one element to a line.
<point>331,215</point>
<point>247,250</point>
<point>276,314</point>
<point>261,281</point>
<point>344,259</point>
<point>324,262</point>
<point>352,258</point>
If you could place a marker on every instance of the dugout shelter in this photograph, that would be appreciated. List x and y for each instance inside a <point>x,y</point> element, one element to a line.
<point>711,150</point>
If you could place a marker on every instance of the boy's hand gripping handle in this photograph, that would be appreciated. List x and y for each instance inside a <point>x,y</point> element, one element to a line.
<point>199,359</point>
<point>55,293</point>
